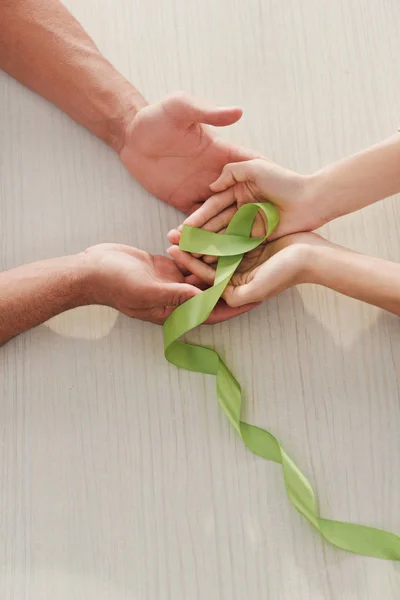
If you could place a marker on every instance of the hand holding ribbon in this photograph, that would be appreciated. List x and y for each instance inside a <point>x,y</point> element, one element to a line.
<point>230,247</point>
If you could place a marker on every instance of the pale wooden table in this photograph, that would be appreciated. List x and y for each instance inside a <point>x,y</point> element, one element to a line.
<point>119,477</point>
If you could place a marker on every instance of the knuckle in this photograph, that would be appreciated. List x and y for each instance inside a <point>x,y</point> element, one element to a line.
<point>176,300</point>
<point>230,298</point>
<point>228,168</point>
<point>179,98</point>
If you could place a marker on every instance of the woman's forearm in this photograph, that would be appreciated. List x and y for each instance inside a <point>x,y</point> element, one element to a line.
<point>357,181</point>
<point>369,279</point>
<point>32,294</point>
<point>46,49</point>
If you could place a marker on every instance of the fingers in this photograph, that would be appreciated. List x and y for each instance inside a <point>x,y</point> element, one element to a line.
<point>174,294</point>
<point>281,271</point>
<point>235,303</point>
<point>213,215</point>
<point>218,116</point>
<point>241,295</point>
<point>220,221</point>
<point>221,116</point>
<point>192,264</point>
<point>235,298</point>
<point>182,268</point>
<point>196,281</point>
<point>174,236</point>
<point>210,209</point>
<point>223,312</point>
<point>212,259</point>
<point>237,172</point>
<point>187,110</point>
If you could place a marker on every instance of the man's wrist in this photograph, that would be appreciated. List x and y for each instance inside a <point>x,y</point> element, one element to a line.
<point>65,281</point>
<point>125,103</point>
<point>33,293</point>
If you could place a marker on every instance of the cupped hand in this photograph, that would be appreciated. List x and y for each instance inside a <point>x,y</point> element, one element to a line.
<point>142,285</point>
<point>263,272</point>
<point>170,150</point>
<point>258,180</point>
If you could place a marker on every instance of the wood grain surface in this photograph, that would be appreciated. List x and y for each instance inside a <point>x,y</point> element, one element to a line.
<point>119,477</point>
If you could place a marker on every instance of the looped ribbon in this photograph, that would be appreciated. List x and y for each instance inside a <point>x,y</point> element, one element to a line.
<point>230,247</point>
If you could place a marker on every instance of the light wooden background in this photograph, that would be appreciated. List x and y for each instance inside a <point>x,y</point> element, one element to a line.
<point>119,477</point>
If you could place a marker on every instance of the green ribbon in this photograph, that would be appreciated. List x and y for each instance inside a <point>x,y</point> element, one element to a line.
<point>230,247</point>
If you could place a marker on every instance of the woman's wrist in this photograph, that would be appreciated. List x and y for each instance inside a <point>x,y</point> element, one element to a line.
<point>316,259</point>
<point>307,256</point>
<point>354,182</point>
<point>318,198</point>
<point>334,266</point>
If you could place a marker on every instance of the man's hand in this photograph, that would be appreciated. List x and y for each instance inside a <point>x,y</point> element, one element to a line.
<point>141,285</point>
<point>263,272</point>
<point>166,146</point>
<point>170,151</point>
<point>138,284</point>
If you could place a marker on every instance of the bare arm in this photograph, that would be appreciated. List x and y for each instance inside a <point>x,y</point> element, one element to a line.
<point>305,258</point>
<point>34,293</point>
<point>304,202</point>
<point>141,285</point>
<point>165,146</point>
<point>372,280</point>
<point>357,181</point>
<point>46,49</point>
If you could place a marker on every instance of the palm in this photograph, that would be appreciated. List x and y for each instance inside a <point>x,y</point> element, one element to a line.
<point>292,216</point>
<point>257,180</point>
<point>142,285</point>
<point>272,267</point>
<point>136,282</point>
<point>263,272</point>
<point>174,155</point>
<point>252,263</point>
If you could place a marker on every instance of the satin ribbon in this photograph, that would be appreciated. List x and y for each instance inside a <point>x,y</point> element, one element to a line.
<point>230,247</point>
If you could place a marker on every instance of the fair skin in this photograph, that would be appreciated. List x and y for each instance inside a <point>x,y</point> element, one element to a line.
<point>304,202</point>
<point>138,284</point>
<point>304,258</point>
<point>275,266</point>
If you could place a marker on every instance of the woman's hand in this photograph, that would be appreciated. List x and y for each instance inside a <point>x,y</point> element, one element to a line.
<point>257,180</point>
<point>304,203</point>
<point>263,272</point>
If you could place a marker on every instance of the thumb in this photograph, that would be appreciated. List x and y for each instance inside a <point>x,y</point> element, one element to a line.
<point>188,110</point>
<point>219,116</point>
<point>248,170</point>
<point>174,294</point>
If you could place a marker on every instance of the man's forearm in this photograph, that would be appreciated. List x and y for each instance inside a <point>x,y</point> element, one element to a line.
<point>32,294</point>
<point>366,278</point>
<point>45,48</point>
<point>357,181</point>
